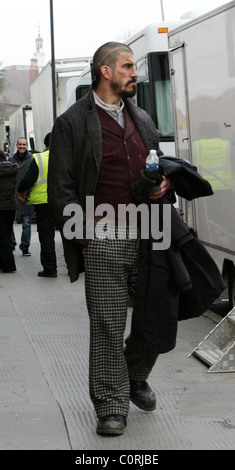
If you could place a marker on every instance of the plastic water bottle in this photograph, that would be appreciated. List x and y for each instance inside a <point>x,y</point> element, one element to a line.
<point>152,161</point>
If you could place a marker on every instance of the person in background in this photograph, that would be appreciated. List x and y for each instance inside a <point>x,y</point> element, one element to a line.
<point>36,178</point>
<point>8,206</point>
<point>23,158</point>
<point>99,147</point>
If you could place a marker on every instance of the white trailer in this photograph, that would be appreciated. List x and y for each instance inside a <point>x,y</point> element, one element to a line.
<point>41,94</point>
<point>20,124</point>
<point>202,62</point>
<point>150,48</point>
<point>77,87</point>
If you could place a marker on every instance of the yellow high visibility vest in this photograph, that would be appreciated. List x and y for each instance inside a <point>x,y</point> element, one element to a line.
<point>38,194</point>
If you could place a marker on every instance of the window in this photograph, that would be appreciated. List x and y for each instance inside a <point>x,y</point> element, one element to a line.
<point>81,91</point>
<point>154,94</point>
<point>143,96</point>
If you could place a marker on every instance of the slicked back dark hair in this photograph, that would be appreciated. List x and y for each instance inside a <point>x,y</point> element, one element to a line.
<point>107,55</point>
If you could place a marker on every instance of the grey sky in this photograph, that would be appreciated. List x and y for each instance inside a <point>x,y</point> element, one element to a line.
<point>80,27</point>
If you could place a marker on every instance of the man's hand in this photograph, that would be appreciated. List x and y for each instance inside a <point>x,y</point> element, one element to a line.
<point>21,196</point>
<point>161,190</point>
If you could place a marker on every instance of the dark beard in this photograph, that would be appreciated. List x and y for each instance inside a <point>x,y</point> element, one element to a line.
<point>129,94</point>
<point>124,93</point>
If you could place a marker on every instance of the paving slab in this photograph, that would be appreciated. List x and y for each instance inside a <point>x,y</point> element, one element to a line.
<point>44,398</point>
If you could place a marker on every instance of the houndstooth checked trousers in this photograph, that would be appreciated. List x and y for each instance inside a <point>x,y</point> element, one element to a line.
<point>110,274</point>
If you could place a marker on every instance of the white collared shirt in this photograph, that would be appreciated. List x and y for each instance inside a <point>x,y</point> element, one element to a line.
<point>113,110</point>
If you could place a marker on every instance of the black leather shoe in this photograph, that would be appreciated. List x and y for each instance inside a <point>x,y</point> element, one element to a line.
<point>142,395</point>
<point>25,251</point>
<point>111,425</point>
<point>46,274</point>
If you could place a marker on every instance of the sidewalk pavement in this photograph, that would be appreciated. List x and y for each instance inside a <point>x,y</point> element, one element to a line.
<point>44,397</point>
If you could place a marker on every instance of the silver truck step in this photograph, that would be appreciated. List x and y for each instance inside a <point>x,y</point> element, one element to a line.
<point>218,348</point>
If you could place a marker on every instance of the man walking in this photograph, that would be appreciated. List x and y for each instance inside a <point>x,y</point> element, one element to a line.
<point>23,158</point>
<point>98,148</point>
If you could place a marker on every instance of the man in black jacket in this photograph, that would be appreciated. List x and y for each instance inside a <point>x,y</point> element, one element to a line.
<point>23,158</point>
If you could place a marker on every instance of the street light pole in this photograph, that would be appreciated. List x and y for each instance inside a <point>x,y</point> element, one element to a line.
<point>53,62</point>
<point>162,10</point>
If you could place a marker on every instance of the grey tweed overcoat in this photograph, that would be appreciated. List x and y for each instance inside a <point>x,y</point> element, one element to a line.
<point>75,161</point>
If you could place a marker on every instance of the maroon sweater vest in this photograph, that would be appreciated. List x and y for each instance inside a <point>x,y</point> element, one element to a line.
<point>124,156</point>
